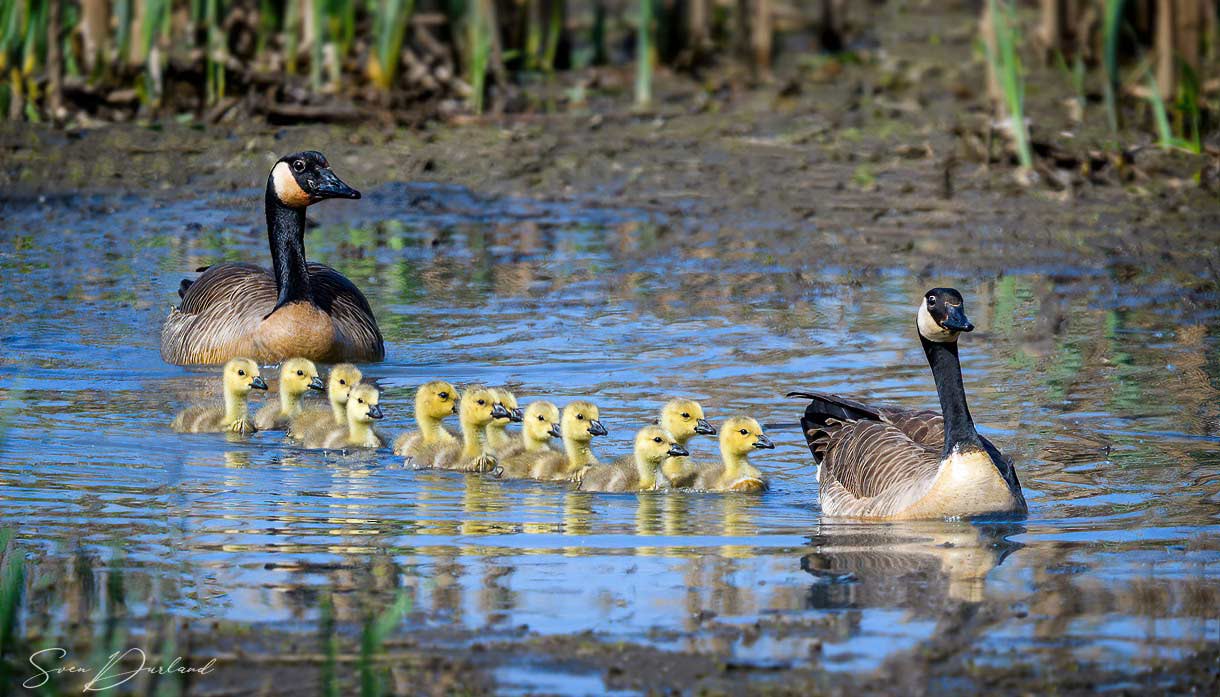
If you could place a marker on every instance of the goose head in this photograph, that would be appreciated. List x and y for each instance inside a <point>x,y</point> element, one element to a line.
<point>942,315</point>
<point>653,444</point>
<point>436,400</point>
<point>541,422</point>
<point>304,178</point>
<point>683,418</point>
<point>581,422</point>
<point>741,435</point>
<point>509,401</point>
<point>241,375</point>
<point>298,376</point>
<point>479,407</point>
<point>362,405</point>
<point>339,383</point>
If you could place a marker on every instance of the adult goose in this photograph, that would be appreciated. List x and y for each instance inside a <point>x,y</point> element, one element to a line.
<point>296,308</point>
<point>888,463</point>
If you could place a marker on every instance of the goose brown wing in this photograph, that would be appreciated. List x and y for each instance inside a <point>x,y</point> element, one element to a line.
<point>923,426</point>
<point>349,309</point>
<point>219,314</point>
<point>868,458</point>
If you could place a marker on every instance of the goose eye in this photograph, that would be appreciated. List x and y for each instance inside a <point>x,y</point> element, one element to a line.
<point>580,416</point>
<point>744,432</point>
<point>685,415</point>
<point>931,300</point>
<point>299,165</point>
<point>482,402</point>
<point>443,395</point>
<point>360,400</point>
<point>241,373</point>
<point>656,440</point>
<point>343,382</point>
<point>301,372</point>
<point>540,418</point>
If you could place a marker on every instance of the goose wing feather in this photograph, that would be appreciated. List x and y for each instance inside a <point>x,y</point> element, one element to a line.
<point>219,315</point>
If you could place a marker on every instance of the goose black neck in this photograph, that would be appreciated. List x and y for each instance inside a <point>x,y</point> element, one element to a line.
<point>286,234</point>
<point>947,370</point>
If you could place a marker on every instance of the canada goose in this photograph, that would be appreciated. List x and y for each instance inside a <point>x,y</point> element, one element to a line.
<point>540,424</point>
<point>477,409</point>
<point>683,418</point>
<point>434,401</point>
<point>883,462</point>
<point>297,376</point>
<point>581,422</point>
<point>294,309</point>
<point>638,471</point>
<point>499,443</point>
<point>319,420</point>
<point>363,409</point>
<point>240,375</point>
<point>739,436</point>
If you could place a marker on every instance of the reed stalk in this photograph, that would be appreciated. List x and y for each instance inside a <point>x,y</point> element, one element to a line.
<point>644,55</point>
<point>1005,64</point>
<point>1110,29</point>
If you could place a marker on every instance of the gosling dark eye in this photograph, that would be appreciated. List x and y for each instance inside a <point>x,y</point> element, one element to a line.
<point>299,165</point>
<point>360,400</point>
<point>301,372</point>
<point>580,416</point>
<point>343,382</point>
<point>745,432</point>
<point>482,402</point>
<point>685,415</point>
<point>443,395</point>
<point>241,373</point>
<point>541,419</point>
<point>656,440</point>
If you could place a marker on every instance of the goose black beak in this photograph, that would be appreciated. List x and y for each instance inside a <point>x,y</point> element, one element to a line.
<point>596,428</point>
<point>499,412</point>
<point>763,442</point>
<point>316,384</point>
<point>705,427</point>
<point>375,412</point>
<point>516,415</point>
<point>258,383</point>
<point>956,321</point>
<point>676,450</point>
<point>554,431</point>
<point>330,186</point>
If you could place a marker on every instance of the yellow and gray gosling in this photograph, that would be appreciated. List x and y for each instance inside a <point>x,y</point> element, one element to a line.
<point>362,411</point>
<point>297,376</point>
<point>580,424</point>
<point>499,443</point>
<point>540,424</point>
<point>683,418</point>
<point>240,375</point>
<point>434,402</point>
<point>739,436</point>
<point>639,471</point>
<point>318,421</point>
<point>477,409</point>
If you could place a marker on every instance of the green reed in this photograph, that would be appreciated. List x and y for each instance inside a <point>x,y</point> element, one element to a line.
<point>644,55</point>
<point>1167,139</point>
<point>390,21</point>
<point>1110,30</point>
<point>479,43</point>
<point>1006,66</point>
<point>376,629</point>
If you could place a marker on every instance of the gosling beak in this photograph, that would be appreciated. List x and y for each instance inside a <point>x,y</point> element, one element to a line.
<point>454,410</point>
<point>375,412</point>
<point>316,384</point>
<point>499,412</point>
<point>676,450</point>
<point>330,186</point>
<point>258,383</point>
<point>597,429</point>
<point>516,415</point>
<point>554,431</point>
<point>763,442</point>
<point>956,321</point>
<point>704,427</point>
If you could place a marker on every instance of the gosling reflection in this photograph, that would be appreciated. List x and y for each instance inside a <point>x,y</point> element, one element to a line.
<point>918,566</point>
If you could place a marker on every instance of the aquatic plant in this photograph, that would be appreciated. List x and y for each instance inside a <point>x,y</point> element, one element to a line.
<point>1005,64</point>
<point>644,55</point>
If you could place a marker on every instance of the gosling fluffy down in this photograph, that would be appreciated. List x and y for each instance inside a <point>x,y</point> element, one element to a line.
<point>317,421</point>
<point>639,471</point>
<point>297,377</point>
<point>363,411</point>
<point>239,376</point>
<point>739,436</point>
<point>434,402</point>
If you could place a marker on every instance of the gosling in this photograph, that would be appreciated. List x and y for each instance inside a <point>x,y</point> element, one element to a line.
<point>317,422</point>
<point>541,423</point>
<point>739,436</point>
<point>477,409</point>
<point>581,424</point>
<point>640,471</point>
<point>362,411</point>
<point>240,375</point>
<point>499,443</point>
<point>683,418</point>
<point>297,376</point>
<point>434,401</point>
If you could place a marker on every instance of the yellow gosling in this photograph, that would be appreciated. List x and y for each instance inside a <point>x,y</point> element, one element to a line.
<point>297,377</point>
<point>477,409</point>
<point>363,409</point>
<point>240,375</point>
<point>434,402</point>
<point>499,443</point>
<point>639,471</point>
<point>540,424</point>
<point>683,418</point>
<point>319,421</point>
<point>739,436</point>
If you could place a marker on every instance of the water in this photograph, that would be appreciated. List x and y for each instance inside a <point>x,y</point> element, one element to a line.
<point>1104,392</point>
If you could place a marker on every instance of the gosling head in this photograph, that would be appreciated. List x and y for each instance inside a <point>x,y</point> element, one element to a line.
<point>298,376</point>
<point>653,444</point>
<point>580,422</point>
<point>362,405</point>
<point>480,407</point>
<point>343,377</point>
<point>741,435</point>
<point>436,400</point>
<point>541,421</point>
<point>241,375</point>
<point>683,418</point>
<point>509,401</point>
<point>942,315</point>
<point>304,178</point>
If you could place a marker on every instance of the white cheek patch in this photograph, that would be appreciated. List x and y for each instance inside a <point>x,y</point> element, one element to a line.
<point>286,187</point>
<point>930,330</point>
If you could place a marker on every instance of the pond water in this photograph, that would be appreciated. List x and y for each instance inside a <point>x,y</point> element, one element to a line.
<point>1104,393</point>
